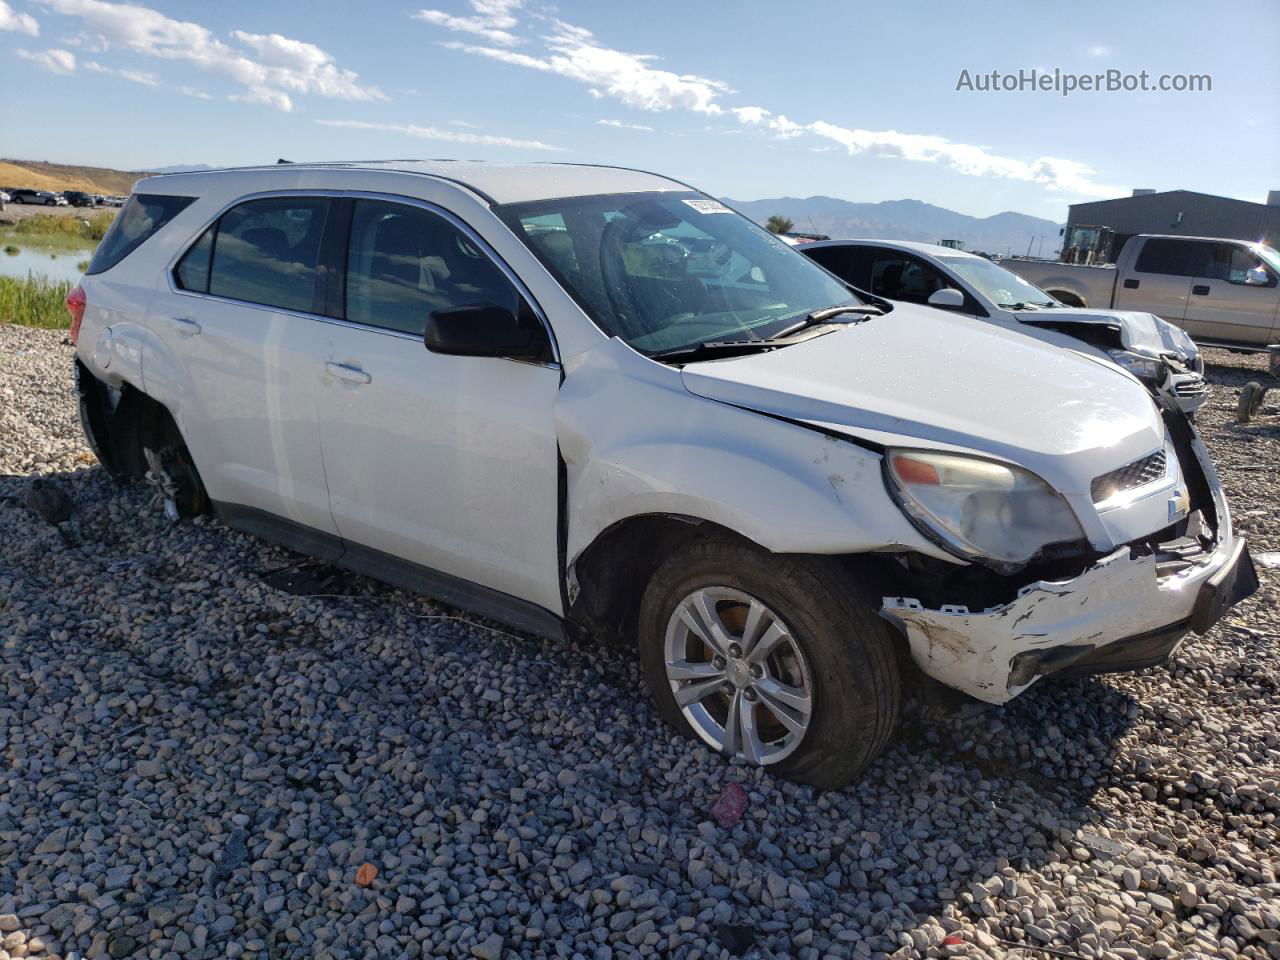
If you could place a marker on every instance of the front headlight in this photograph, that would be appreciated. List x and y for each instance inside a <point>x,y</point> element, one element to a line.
<point>993,513</point>
<point>1144,368</point>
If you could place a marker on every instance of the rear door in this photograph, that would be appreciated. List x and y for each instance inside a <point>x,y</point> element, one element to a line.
<point>1234,297</point>
<point>239,319</point>
<point>1160,281</point>
<point>448,462</point>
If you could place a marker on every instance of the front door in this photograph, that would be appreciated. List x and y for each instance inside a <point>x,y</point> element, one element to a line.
<point>448,462</point>
<point>1234,297</point>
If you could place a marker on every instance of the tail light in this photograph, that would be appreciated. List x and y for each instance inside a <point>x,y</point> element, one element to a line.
<point>75,306</point>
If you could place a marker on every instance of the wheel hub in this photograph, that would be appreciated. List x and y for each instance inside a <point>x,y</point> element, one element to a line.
<point>739,673</point>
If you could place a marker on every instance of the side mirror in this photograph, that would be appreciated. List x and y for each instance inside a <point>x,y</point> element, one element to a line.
<point>1258,277</point>
<point>484,330</point>
<point>946,298</point>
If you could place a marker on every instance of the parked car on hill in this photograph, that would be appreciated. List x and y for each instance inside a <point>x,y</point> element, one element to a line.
<point>1159,354</point>
<point>1222,292</point>
<point>78,198</point>
<point>595,401</point>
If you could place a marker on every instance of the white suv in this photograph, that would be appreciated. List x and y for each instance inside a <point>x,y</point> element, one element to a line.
<point>594,399</point>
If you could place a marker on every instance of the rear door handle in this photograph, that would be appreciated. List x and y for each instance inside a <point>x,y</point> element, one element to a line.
<point>1200,289</point>
<point>185,327</point>
<point>345,371</point>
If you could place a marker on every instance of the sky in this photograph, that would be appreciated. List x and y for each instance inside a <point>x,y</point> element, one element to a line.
<point>748,99</point>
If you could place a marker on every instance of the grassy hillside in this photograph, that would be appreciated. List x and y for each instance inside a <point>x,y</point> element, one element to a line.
<point>58,177</point>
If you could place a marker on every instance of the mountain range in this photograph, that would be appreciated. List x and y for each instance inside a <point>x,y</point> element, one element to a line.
<point>1003,233</point>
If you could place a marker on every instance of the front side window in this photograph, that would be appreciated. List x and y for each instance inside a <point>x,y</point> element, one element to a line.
<point>1239,266</point>
<point>142,216</point>
<point>897,277</point>
<point>404,262</point>
<point>266,252</point>
<point>669,270</point>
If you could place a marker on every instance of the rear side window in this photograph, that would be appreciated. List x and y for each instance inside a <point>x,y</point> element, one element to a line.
<point>1176,258</point>
<point>262,251</point>
<point>835,259</point>
<point>405,262</point>
<point>193,269</point>
<point>142,216</point>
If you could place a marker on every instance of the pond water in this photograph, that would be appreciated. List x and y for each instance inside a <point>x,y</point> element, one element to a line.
<point>54,264</point>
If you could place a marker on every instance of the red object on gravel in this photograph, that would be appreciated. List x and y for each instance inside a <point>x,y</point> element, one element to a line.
<point>729,807</point>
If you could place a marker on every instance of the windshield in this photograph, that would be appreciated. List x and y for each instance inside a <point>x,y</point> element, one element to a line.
<point>668,270</point>
<point>1002,287</point>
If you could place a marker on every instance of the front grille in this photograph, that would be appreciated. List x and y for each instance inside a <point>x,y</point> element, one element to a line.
<point>1191,388</point>
<point>1129,477</point>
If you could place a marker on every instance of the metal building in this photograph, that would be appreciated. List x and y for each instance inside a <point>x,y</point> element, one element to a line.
<point>1104,225</point>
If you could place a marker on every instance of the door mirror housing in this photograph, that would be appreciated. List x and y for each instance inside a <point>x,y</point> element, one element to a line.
<point>485,330</point>
<point>947,298</point>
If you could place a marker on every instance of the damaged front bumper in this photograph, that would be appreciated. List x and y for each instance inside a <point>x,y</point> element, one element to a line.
<point>1130,609</point>
<point>1120,614</point>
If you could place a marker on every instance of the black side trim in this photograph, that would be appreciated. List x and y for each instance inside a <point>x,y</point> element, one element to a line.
<point>286,533</point>
<point>331,298</point>
<point>502,607</point>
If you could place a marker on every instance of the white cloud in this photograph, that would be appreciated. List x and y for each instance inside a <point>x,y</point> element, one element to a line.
<point>137,76</point>
<point>10,19</point>
<point>435,133</point>
<point>632,79</point>
<point>55,61</point>
<point>573,52</point>
<point>1099,51</point>
<point>493,20</point>
<point>278,66</point>
<point>624,126</point>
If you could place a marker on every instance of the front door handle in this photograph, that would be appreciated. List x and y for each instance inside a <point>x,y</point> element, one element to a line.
<point>185,327</point>
<point>1131,284</point>
<point>347,372</point>
<point>1200,289</point>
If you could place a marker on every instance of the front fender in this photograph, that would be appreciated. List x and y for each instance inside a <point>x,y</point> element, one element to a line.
<point>636,442</point>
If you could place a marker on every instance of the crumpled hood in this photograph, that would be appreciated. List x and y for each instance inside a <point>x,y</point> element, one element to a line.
<point>1143,333</point>
<point>921,376</point>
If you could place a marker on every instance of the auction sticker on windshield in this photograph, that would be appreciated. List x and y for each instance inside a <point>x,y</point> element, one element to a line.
<point>708,206</point>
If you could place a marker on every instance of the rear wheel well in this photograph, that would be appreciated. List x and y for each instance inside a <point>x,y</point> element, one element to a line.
<point>120,422</point>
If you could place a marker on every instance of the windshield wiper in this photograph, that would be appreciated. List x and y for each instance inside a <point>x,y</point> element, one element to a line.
<point>1024,306</point>
<point>830,313</point>
<point>712,349</point>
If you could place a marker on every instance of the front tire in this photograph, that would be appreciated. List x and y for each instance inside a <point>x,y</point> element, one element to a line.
<point>773,659</point>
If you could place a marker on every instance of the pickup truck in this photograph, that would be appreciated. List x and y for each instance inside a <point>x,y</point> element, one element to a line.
<point>1222,292</point>
<point>1163,357</point>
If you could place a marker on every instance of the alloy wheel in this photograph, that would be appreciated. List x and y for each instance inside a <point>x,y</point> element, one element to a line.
<point>738,674</point>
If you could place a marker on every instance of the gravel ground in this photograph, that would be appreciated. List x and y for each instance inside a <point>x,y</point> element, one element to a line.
<point>195,764</point>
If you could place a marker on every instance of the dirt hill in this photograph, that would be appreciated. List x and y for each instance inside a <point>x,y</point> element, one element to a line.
<point>57,176</point>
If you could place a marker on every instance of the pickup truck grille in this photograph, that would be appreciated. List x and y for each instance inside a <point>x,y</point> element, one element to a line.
<point>1129,477</point>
